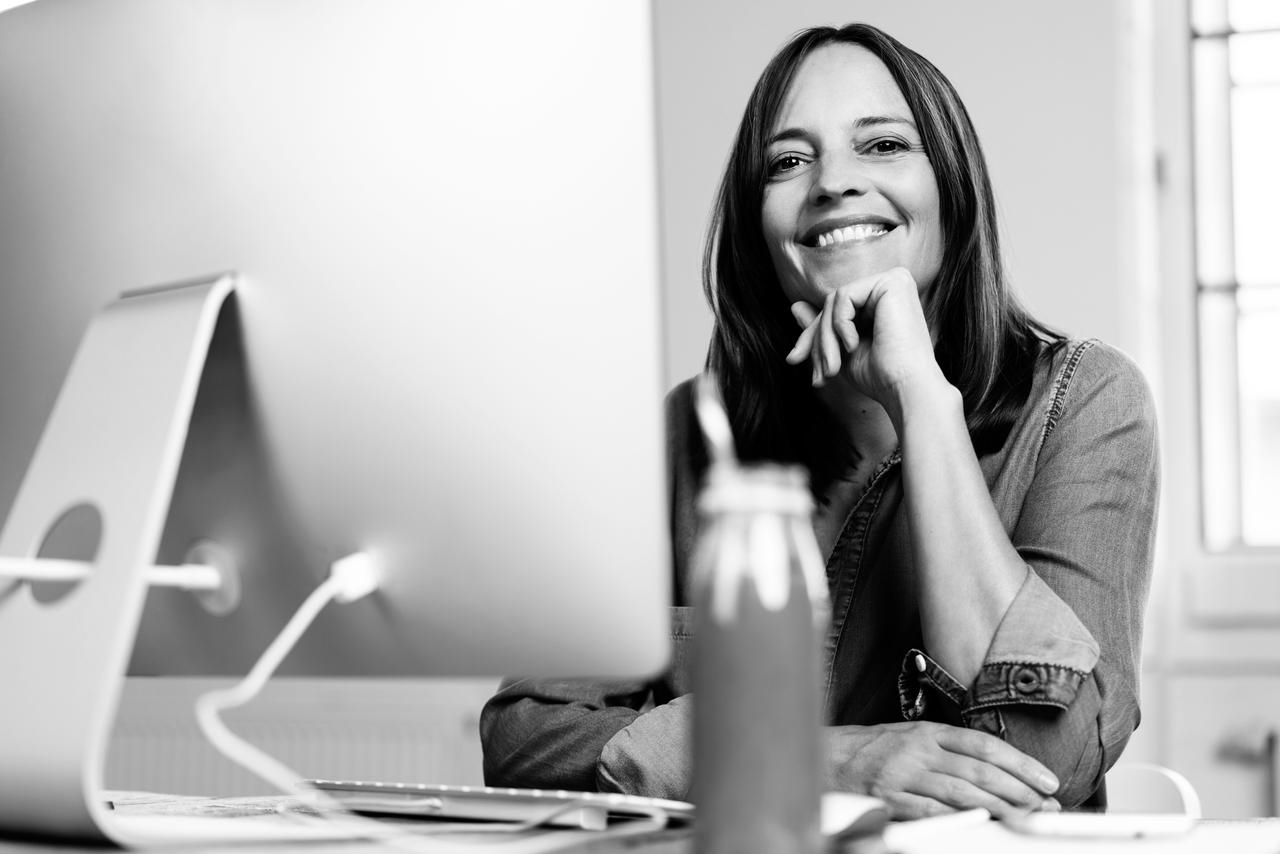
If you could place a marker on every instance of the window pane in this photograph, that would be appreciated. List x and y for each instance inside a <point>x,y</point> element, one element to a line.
<point>1254,14</point>
<point>1255,127</point>
<point>1219,438</point>
<point>1259,343</point>
<point>1255,58</point>
<point>1215,264</point>
<point>1209,16</point>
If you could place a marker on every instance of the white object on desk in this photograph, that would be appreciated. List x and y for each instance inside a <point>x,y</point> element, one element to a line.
<point>993,837</point>
<point>1085,825</point>
<point>924,834</point>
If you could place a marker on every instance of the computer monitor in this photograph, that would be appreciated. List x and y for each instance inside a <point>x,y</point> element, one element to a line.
<point>443,346</point>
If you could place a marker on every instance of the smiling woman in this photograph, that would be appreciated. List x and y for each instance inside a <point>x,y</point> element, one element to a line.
<point>985,487</point>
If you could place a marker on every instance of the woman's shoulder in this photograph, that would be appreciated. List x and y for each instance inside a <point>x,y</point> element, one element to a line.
<point>1087,375</point>
<point>684,441</point>
<point>681,418</point>
<point>1093,366</point>
<point>679,400</point>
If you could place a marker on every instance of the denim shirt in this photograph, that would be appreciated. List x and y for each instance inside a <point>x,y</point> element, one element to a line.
<point>1076,487</point>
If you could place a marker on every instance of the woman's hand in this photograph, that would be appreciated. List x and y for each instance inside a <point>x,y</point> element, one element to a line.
<point>921,769</point>
<point>873,330</point>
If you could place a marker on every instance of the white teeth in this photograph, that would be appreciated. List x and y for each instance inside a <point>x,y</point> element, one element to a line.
<point>862,231</point>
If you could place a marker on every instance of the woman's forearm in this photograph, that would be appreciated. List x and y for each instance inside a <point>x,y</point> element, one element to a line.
<point>967,570</point>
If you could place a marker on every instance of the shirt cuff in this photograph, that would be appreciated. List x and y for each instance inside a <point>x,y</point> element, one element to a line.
<point>1039,656</point>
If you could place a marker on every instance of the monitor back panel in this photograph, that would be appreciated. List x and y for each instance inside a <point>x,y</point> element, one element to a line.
<point>445,347</point>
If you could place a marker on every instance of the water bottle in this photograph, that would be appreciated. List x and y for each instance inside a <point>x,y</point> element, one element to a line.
<point>759,587</point>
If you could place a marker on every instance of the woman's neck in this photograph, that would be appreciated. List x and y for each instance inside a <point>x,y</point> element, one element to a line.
<point>858,431</point>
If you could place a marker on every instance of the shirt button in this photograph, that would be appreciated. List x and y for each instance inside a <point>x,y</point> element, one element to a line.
<point>1026,681</point>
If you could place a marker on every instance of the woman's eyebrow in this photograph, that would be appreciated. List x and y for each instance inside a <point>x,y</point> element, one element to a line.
<point>788,134</point>
<point>862,123</point>
<point>872,121</point>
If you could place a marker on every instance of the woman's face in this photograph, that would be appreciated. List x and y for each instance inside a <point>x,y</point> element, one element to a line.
<point>850,191</point>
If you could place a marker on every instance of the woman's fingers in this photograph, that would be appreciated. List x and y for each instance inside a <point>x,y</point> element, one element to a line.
<point>842,317</point>
<point>924,768</point>
<point>805,316</point>
<point>905,806</point>
<point>830,331</point>
<point>961,794</point>
<point>803,313</point>
<point>997,784</point>
<point>990,750</point>
<point>825,335</point>
<point>830,346</point>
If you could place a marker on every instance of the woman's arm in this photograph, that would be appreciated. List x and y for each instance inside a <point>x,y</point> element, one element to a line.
<point>549,734</point>
<point>969,571</point>
<point>1059,678</point>
<point>1013,622</point>
<point>587,736</point>
<point>1087,528</point>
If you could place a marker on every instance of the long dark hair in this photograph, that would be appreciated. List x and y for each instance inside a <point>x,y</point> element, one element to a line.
<point>987,344</point>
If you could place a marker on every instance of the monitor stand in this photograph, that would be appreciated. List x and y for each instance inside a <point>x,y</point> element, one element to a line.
<point>109,454</point>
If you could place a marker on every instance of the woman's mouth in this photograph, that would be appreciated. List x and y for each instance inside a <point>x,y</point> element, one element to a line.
<point>837,233</point>
<point>852,233</point>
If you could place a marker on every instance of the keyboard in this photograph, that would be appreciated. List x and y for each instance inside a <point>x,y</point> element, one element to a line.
<point>558,807</point>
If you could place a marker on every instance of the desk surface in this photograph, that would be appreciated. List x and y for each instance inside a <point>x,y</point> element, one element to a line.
<point>195,825</point>
<point>1260,836</point>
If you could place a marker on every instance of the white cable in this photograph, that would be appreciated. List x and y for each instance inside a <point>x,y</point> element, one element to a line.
<point>209,706</point>
<point>349,579</point>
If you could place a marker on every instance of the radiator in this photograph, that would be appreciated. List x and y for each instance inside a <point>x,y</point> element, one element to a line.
<point>422,730</point>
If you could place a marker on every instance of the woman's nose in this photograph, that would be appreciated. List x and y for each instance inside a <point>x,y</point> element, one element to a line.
<point>837,176</point>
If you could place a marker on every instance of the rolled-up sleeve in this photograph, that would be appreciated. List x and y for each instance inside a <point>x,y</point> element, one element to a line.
<point>587,736</point>
<point>549,734</point>
<point>1060,678</point>
<point>652,755</point>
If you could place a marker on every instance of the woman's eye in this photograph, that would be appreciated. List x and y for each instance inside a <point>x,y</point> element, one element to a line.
<point>888,146</point>
<point>785,163</point>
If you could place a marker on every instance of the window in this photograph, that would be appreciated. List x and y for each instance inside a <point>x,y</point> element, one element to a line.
<point>1236,90</point>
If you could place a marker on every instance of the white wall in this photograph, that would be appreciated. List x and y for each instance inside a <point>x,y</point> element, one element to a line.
<point>1045,83</point>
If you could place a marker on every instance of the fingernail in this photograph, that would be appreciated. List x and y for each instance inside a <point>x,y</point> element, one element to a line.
<point>1049,782</point>
<point>1051,805</point>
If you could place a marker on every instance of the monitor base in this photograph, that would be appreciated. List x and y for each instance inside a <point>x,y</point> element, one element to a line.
<point>109,453</point>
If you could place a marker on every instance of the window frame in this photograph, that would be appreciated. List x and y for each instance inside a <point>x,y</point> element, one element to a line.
<point>1208,590</point>
<point>1221,299</point>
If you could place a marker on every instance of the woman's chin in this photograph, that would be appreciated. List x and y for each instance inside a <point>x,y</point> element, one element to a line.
<point>829,277</point>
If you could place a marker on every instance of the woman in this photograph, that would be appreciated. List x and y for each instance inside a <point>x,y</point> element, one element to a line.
<point>985,488</point>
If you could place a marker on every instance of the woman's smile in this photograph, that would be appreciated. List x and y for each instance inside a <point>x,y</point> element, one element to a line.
<point>845,231</point>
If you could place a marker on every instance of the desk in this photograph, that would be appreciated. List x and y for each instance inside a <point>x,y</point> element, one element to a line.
<point>1261,836</point>
<point>262,813</point>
